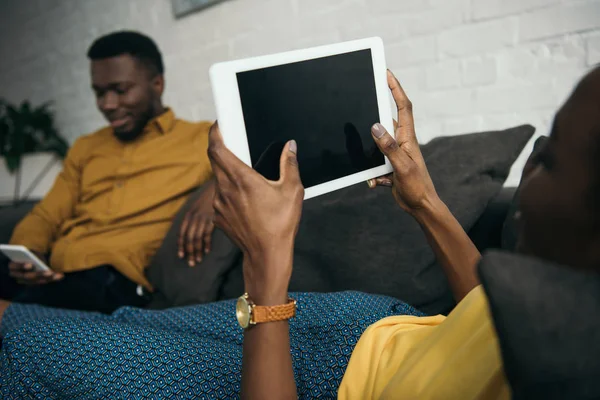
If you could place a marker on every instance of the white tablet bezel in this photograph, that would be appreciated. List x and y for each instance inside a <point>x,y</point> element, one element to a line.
<point>229,107</point>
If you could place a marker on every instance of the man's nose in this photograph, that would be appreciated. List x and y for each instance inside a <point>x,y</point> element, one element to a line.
<point>109,102</point>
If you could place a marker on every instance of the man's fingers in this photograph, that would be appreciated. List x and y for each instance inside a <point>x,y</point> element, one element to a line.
<point>189,243</point>
<point>199,241</point>
<point>405,129</point>
<point>288,164</point>
<point>37,277</point>
<point>13,266</point>
<point>182,234</point>
<point>208,231</point>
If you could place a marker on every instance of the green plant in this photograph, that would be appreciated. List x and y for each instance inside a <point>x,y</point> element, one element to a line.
<point>25,130</point>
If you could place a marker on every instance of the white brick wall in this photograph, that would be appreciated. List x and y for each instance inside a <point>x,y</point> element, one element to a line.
<point>468,65</point>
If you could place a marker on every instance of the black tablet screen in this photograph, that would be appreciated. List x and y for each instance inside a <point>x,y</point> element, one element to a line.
<point>326,104</point>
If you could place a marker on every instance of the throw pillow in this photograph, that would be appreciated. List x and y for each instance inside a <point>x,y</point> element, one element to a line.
<point>178,284</point>
<point>545,317</point>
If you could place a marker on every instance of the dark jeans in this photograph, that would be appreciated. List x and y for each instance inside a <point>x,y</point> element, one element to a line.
<point>101,289</point>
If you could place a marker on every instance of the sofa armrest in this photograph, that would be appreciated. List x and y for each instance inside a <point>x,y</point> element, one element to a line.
<point>487,231</point>
<point>9,218</point>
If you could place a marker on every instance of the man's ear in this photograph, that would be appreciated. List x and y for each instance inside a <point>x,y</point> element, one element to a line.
<point>158,84</point>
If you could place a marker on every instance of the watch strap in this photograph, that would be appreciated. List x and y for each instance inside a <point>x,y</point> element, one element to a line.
<point>281,312</point>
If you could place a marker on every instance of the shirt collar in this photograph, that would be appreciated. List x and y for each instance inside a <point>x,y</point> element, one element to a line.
<point>164,122</point>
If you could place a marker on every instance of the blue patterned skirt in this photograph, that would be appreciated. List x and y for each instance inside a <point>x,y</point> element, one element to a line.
<point>188,352</point>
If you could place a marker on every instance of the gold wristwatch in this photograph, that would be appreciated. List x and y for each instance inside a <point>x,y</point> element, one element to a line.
<point>249,314</point>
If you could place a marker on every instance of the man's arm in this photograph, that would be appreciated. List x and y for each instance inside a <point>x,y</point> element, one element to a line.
<point>40,227</point>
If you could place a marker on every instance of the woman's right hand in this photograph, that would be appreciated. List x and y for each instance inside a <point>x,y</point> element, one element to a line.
<point>411,184</point>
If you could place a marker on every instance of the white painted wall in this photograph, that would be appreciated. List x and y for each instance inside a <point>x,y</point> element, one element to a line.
<point>468,65</point>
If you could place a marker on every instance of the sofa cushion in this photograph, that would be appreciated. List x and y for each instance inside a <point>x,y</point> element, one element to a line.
<point>545,316</point>
<point>359,239</point>
<point>9,218</point>
<point>176,283</point>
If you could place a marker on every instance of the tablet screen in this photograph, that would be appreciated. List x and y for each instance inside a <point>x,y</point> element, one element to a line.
<point>327,105</point>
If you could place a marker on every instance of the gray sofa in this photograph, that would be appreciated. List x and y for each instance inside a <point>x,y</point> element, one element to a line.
<point>486,233</point>
<point>355,238</point>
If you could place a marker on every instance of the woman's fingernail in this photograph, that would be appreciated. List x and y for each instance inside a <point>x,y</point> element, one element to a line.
<point>378,130</point>
<point>372,183</point>
<point>293,146</point>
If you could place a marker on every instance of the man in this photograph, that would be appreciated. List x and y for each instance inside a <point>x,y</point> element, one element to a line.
<point>119,189</point>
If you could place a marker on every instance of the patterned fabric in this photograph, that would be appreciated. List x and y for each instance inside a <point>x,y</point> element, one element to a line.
<point>189,352</point>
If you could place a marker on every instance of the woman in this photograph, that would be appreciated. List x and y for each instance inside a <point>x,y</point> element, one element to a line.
<point>414,357</point>
<point>399,356</point>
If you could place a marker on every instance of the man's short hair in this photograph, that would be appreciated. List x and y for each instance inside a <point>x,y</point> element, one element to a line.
<point>133,43</point>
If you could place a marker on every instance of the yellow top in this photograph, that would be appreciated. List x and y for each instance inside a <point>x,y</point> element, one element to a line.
<point>113,202</point>
<point>407,357</point>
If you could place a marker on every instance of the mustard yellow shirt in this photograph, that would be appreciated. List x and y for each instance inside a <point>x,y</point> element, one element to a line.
<point>424,358</point>
<point>113,202</point>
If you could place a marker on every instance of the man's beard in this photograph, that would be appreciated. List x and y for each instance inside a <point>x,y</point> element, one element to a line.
<point>138,128</point>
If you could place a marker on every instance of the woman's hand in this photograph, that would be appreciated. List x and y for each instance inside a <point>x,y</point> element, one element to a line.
<point>411,184</point>
<point>260,216</point>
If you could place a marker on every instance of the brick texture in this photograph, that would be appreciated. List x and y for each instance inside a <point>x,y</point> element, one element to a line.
<point>466,64</point>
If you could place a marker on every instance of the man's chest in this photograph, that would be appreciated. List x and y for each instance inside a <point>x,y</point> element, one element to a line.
<point>140,168</point>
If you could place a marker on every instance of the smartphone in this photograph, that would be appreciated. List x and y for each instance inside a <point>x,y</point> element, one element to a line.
<point>21,254</point>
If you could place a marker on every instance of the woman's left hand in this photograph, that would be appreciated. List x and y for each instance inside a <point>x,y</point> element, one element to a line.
<point>259,215</point>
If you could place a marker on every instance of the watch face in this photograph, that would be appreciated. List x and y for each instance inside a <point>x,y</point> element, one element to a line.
<point>242,312</point>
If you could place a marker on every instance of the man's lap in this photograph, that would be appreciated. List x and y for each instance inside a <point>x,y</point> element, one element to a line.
<point>101,288</point>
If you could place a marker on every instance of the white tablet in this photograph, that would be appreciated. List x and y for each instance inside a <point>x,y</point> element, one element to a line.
<point>326,98</point>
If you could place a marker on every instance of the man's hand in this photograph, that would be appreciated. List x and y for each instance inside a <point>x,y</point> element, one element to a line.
<point>260,216</point>
<point>195,235</point>
<point>411,183</point>
<point>25,274</point>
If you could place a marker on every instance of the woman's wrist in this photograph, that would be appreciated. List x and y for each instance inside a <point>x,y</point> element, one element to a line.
<point>432,210</point>
<point>267,275</point>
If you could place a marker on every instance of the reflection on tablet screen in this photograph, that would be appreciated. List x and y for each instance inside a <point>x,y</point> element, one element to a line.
<point>326,104</point>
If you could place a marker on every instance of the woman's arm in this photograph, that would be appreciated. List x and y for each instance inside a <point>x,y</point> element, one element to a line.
<point>453,248</point>
<point>414,191</point>
<point>262,218</point>
<point>267,362</point>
